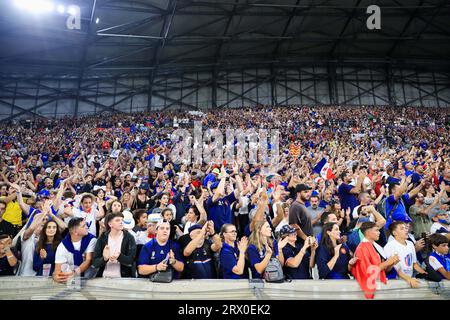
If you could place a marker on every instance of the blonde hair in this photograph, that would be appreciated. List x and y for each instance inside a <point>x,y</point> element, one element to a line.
<point>255,237</point>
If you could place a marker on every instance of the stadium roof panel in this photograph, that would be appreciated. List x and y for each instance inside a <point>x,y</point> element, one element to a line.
<point>138,36</point>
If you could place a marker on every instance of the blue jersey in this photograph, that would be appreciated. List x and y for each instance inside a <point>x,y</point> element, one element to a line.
<point>302,271</point>
<point>340,269</point>
<point>348,200</point>
<point>153,253</point>
<point>220,211</point>
<point>228,260</point>
<point>256,256</point>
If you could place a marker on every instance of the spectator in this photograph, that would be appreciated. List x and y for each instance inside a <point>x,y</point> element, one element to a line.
<point>441,222</point>
<point>44,255</point>
<point>199,247</point>
<point>175,230</point>
<point>232,254</point>
<point>164,204</point>
<point>334,259</point>
<point>140,220</point>
<point>5,226</point>
<point>262,248</point>
<point>370,259</point>
<point>74,253</point>
<point>439,260</point>
<point>298,259</point>
<point>88,212</point>
<point>315,212</point>
<point>8,259</point>
<point>13,213</point>
<point>154,254</point>
<point>298,214</point>
<point>420,215</point>
<point>219,205</point>
<point>348,193</point>
<point>115,250</point>
<point>398,199</point>
<point>365,214</point>
<point>406,252</point>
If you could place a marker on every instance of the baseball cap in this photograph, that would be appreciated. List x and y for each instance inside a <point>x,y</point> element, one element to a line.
<point>153,218</point>
<point>363,219</point>
<point>287,229</point>
<point>302,187</point>
<point>128,221</point>
<point>144,186</point>
<point>43,194</point>
<point>194,227</point>
<point>216,171</point>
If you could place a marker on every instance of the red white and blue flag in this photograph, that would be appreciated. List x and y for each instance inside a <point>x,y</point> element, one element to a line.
<point>323,168</point>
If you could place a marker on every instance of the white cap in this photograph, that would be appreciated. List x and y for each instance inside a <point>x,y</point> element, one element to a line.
<point>154,217</point>
<point>128,220</point>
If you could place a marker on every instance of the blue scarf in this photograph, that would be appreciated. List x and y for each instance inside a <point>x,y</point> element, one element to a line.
<point>77,254</point>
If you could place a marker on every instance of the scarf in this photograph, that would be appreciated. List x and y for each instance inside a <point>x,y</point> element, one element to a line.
<point>77,254</point>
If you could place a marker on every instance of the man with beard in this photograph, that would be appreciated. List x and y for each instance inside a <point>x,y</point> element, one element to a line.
<point>298,214</point>
<point>315,212</point>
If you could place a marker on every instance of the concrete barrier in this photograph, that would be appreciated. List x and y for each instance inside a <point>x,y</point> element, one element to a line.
<point>123,289</point>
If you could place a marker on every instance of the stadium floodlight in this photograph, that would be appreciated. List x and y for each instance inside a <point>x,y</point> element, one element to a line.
<point>61,9</point>
<point>72,10</point>
<point>35,6</point>
<point>97,20</point>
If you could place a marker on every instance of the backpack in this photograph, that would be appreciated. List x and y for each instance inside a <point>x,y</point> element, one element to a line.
<point>381,208</point>
<point>274,271</point>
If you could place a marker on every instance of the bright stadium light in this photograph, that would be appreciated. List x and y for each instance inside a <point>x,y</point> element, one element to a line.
<point>61,9</point>
<point>72,10</point>
<point>97,20</point>
<point>36,6</point>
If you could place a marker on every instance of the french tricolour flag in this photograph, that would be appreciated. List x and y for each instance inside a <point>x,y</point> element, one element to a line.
<point>323,168</point>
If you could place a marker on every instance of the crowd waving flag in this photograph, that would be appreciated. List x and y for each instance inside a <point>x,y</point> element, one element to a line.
<point>294,150</point>
<point>323,168</point>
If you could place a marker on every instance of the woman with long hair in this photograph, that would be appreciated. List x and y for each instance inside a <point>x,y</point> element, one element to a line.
<point>44,255</point>
<point>334,259</point>
<point>262,248</point>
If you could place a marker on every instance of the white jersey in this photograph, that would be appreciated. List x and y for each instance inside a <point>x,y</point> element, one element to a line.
<point>406,253</point>
<point>91,218</point>
<point>438,227</point>
<point>63,256</point>
<point>28,247</point>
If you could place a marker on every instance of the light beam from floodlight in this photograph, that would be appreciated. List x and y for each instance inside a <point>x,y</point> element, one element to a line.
<point>36,6</point>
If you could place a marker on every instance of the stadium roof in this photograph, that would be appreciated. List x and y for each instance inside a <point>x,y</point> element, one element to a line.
<point>158,36</point>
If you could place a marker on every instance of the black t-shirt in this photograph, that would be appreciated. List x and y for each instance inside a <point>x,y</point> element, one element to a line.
<point>7,228</point>
<point>200,264</point>
<point>5,268</point>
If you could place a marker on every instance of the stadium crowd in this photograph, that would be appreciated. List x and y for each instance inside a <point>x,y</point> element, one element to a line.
<point>100,196</point>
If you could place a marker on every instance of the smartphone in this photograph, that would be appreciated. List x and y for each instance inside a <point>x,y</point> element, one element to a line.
<point>166,259</point>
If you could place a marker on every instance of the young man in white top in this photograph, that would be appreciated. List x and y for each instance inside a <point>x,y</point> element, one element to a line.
<point>406,252</point>
<point>74,253</point>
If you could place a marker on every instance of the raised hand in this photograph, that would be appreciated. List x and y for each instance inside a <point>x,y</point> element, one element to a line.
<point>243,244</point>
<point>282,243</point>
